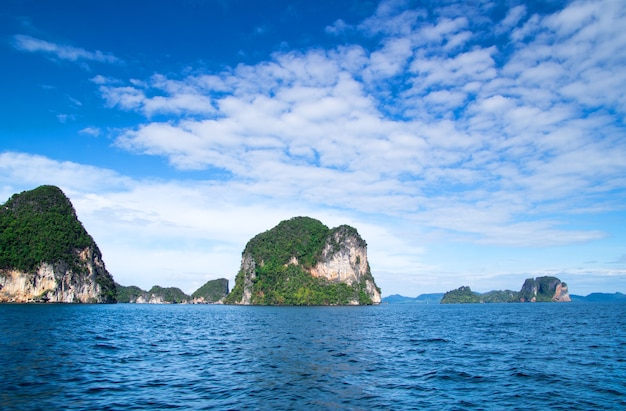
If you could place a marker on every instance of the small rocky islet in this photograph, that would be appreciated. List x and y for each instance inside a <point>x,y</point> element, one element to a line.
<point>540,289</point>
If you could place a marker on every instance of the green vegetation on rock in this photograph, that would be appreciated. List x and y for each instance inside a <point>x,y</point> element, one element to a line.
<point>134,294</point>
<point>300,237</point>
<point>127,294</point>
<point>499,296</point>
<point>212,291</point>
<point>462,295</point>
<point>40,226</point>
<point>169,294</point>
<point>540,289</point>
<point>276,281</point>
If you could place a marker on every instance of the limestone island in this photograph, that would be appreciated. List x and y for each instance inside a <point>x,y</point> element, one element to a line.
<point>540,289</point>
<point>46,255</point>
<point>212,292</point>
<point>303,262</point>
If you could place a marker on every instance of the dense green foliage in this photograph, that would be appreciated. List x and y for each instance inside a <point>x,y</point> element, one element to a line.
<point>300,237</point>
<point>129,293</point>
<point>540,289</point>
<point>170,294</point>
<point>277,282</point>
<point>40,226</point>
<point>212,291</point>
<point>291,285</point>
<point>499,296</point>
<point>465,295</point>
<point>461,295</point>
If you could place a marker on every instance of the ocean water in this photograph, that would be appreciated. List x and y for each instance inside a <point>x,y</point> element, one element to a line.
<point>204,357</point>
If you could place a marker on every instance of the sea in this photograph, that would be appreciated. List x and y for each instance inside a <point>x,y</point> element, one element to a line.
<point>541,356</point>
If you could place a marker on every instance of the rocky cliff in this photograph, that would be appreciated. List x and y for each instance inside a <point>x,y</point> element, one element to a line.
<point>534,289</point>
<point>303,262</point>
<point>46,255</point>
<point>544,289</point>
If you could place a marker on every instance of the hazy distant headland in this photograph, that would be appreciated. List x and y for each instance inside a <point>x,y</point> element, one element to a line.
<point>531,292</point>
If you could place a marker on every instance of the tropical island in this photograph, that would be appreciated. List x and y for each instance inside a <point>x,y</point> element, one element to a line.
<point>212,292</point>
<point>46,255</point>
<point>540,289</point>
<point>303,262</point>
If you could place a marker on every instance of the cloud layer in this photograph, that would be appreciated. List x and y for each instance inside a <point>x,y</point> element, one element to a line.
<point>483,128</point>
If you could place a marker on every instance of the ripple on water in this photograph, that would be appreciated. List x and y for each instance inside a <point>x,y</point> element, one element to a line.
<point>387,357</point>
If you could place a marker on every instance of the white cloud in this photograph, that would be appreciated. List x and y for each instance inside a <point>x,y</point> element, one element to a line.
<point>309,124</point>
<point>61,51</point>
<point>513,17</point>
<point>90,131</point>
<point>338,27</point>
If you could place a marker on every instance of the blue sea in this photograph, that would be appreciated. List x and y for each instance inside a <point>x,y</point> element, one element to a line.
<point>542,356</point>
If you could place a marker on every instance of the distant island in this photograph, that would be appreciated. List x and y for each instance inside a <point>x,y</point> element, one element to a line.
<point>542,289</point>
<point>212,292</point>
<point>435,298</point>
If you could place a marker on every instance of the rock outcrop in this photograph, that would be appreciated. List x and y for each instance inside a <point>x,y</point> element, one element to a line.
<point>156,295</point>
<point>212,292</point>
<point>544,289</point>
<point>46,255</point>
<point>302,262</point>
<point>534,289</point>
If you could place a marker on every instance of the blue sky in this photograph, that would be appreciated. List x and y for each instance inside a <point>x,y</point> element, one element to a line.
<point>470,143</point>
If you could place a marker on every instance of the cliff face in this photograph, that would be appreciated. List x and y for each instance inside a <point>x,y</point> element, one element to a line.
<point>46,254</point>
<point>302,262</point>
<point>533,290</point>
<point>544,289</point>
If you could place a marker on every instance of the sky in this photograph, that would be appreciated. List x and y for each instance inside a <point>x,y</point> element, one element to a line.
<point>473,143</point>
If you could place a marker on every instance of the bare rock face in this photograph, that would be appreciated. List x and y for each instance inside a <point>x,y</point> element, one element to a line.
<point>344,259</point>
<point>248,268</point>
<point>561,294</point>
<point>302,262</point>
<point>57,283</point>
<point>46,255</point>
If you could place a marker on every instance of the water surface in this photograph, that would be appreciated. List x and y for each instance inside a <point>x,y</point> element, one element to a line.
<point>440,357</point>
